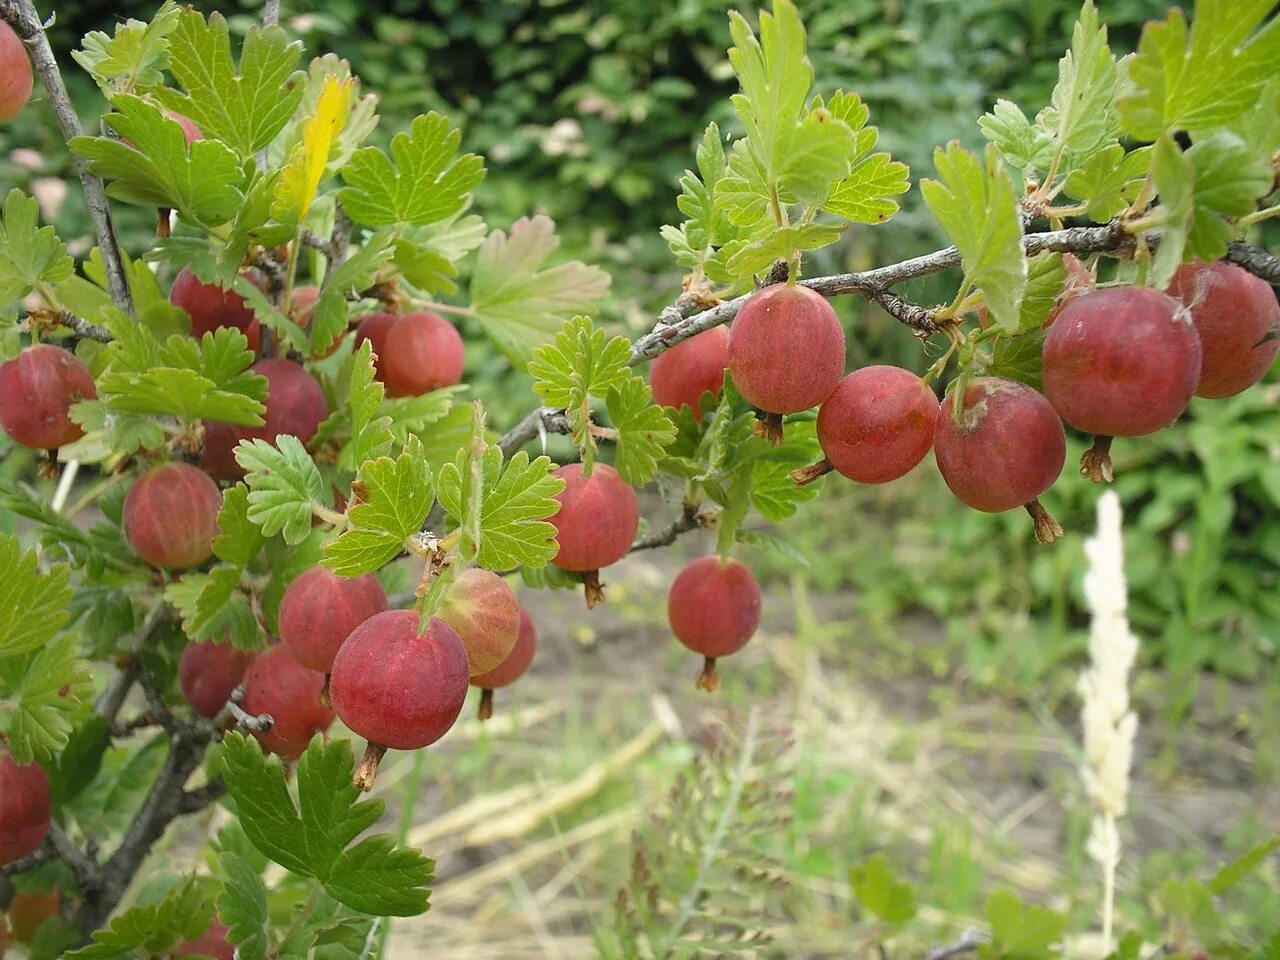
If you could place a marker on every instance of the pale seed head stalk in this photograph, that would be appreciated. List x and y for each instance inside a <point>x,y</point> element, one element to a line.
<point>1109,723</point>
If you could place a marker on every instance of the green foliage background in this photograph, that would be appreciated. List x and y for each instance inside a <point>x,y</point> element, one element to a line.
<point>588,110</point>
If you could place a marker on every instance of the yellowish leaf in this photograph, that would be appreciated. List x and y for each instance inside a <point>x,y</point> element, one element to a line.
<point>301,176</point>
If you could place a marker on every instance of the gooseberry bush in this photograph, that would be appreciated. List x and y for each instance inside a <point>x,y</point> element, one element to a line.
<point>272,404</point>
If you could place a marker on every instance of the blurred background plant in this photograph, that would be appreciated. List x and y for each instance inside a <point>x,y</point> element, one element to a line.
<point>588,110</point>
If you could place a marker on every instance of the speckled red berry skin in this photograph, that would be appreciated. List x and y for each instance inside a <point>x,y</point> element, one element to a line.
<point>598,519</point>
<point>295,406</point>
<point>210,307</point>
<point>16,80</point>
<point>395,688</point>
<point>1238,319</point>
<point>277,684</point>
<point>208,672</point>
<point>171,516</point>
<point>423,353</point>
<point>1007,448</point>
<point>483,612</point>
<point>37,390</point>
<point>684,373</point>
<point>714,606</point>
<point>1121,362</point>
<point>24,808</point>
<point>320,609</point>
<point>212,943</point>
<point>786,349</point>
<point>877,424</point>
<point>517,661</point>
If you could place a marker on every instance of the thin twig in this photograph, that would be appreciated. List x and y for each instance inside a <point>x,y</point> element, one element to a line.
<point>967,942</point>
<point>22,16</point>
<point>271,13</point>
<point>86,870</point>
<point>42,855</point>
<point>689,519</point>
<point>83,327</point>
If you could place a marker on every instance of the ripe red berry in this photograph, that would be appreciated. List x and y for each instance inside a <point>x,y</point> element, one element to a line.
<point>684,373</point>
<point>304,302</point>
<point>295,406</point>
<point>37,389</point>
<point>320,609</point>
<point>277,685</point>
<point>1006,448</point>
<point>15,74</point>
<point>483,612</point>
<point>1238,319</point>
<point>29,911</point>
<point>189,128</point>
<point>1121,362</point>
<point>375,328</point>
<point>171,516</point>
<point>714,609</point>
<point>876,426</point>
<point>210,307</point>
<point>786,349</point>
<point>512,668</point>
<point>398,689</point>
<point>211,943</point>
<point>208,672</point>
<point>596,525</point>
<point>424,353</point>
<point>24,808</point>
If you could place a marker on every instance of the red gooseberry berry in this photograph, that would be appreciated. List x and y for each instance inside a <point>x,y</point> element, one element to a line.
<point>29,911</point>
<point>1003,450</point>
<point>208,673</point>
<point>596,524</point>
<point>714,609</point>
<point>16,80</point>
<point>876,425</point>
<point>210,307</point>
<point>171,516</point>
<point>1238,319</point>
<point>320,609</point>
<point>423,353</point>
<point>511,669</point>
<point>685,372</point>
<point>277,685</point>
<point>212,943</point>
<point>397,688</point>
<point>375,328</point>
<point>25,808</point>
<point>37,390</point>
<point>483,612</point>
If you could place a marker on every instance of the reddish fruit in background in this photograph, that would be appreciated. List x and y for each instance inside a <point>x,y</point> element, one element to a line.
<point>189,128</point>
<point>276,684</point>
<point>375,328</point>
<point>876,426</point>
<point>208,672</point>
<point>212,943</point>
<point>37,389</point>
<point>483,612</point>
<point>171,516</point>
<point>1238,320</point>
<point>397,689</point>
<point>1006,448</point>
<point>684,373</point>
<point>786,350</point>
<point>596,525</point>
<point>4,934</point>
<point>27,911</point>
<point>210,307</point>
<point>714,609</point>
<point>320,609</point>
<point>304,301</point>
<point>16,80</point>
<point>512,668</point>
<point>24,808</point>
<point>295,405</point>
<point>1122,362</point>
<point>423,353</point>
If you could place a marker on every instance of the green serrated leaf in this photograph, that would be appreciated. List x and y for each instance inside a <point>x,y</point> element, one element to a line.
<point>30,255</point>
<point>643,430</point>
<point>55,685</point>
<point>422,181</point>
<point>239,539</point>
<point>881,893</point>
<point>135,57</point>
<point>1174,177</point>
<point>1228,181</point>
<point>242,906</point>
<point>212,608</point>
<point>1242,866</point>
<point>1023,146</point>
<point>975,203</point>
<point>519,304</point>
<point>370,429</point>
<point>1109,180</point>
<point>582,362</point>
<point>33,603</point>
<point>1026,932</point>
<point>284,485</point>
<point>1084,97</point>
<point>155,929</point>
<point>392,499</point>
<point>780,244</point>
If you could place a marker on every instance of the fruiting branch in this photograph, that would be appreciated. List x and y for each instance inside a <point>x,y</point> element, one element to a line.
<point>1256,260</point>
<point>689,519</point>
<point>83,328</point>
<point>22,16</point>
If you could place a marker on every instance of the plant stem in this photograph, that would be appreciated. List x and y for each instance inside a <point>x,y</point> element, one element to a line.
<point>412,791</point>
